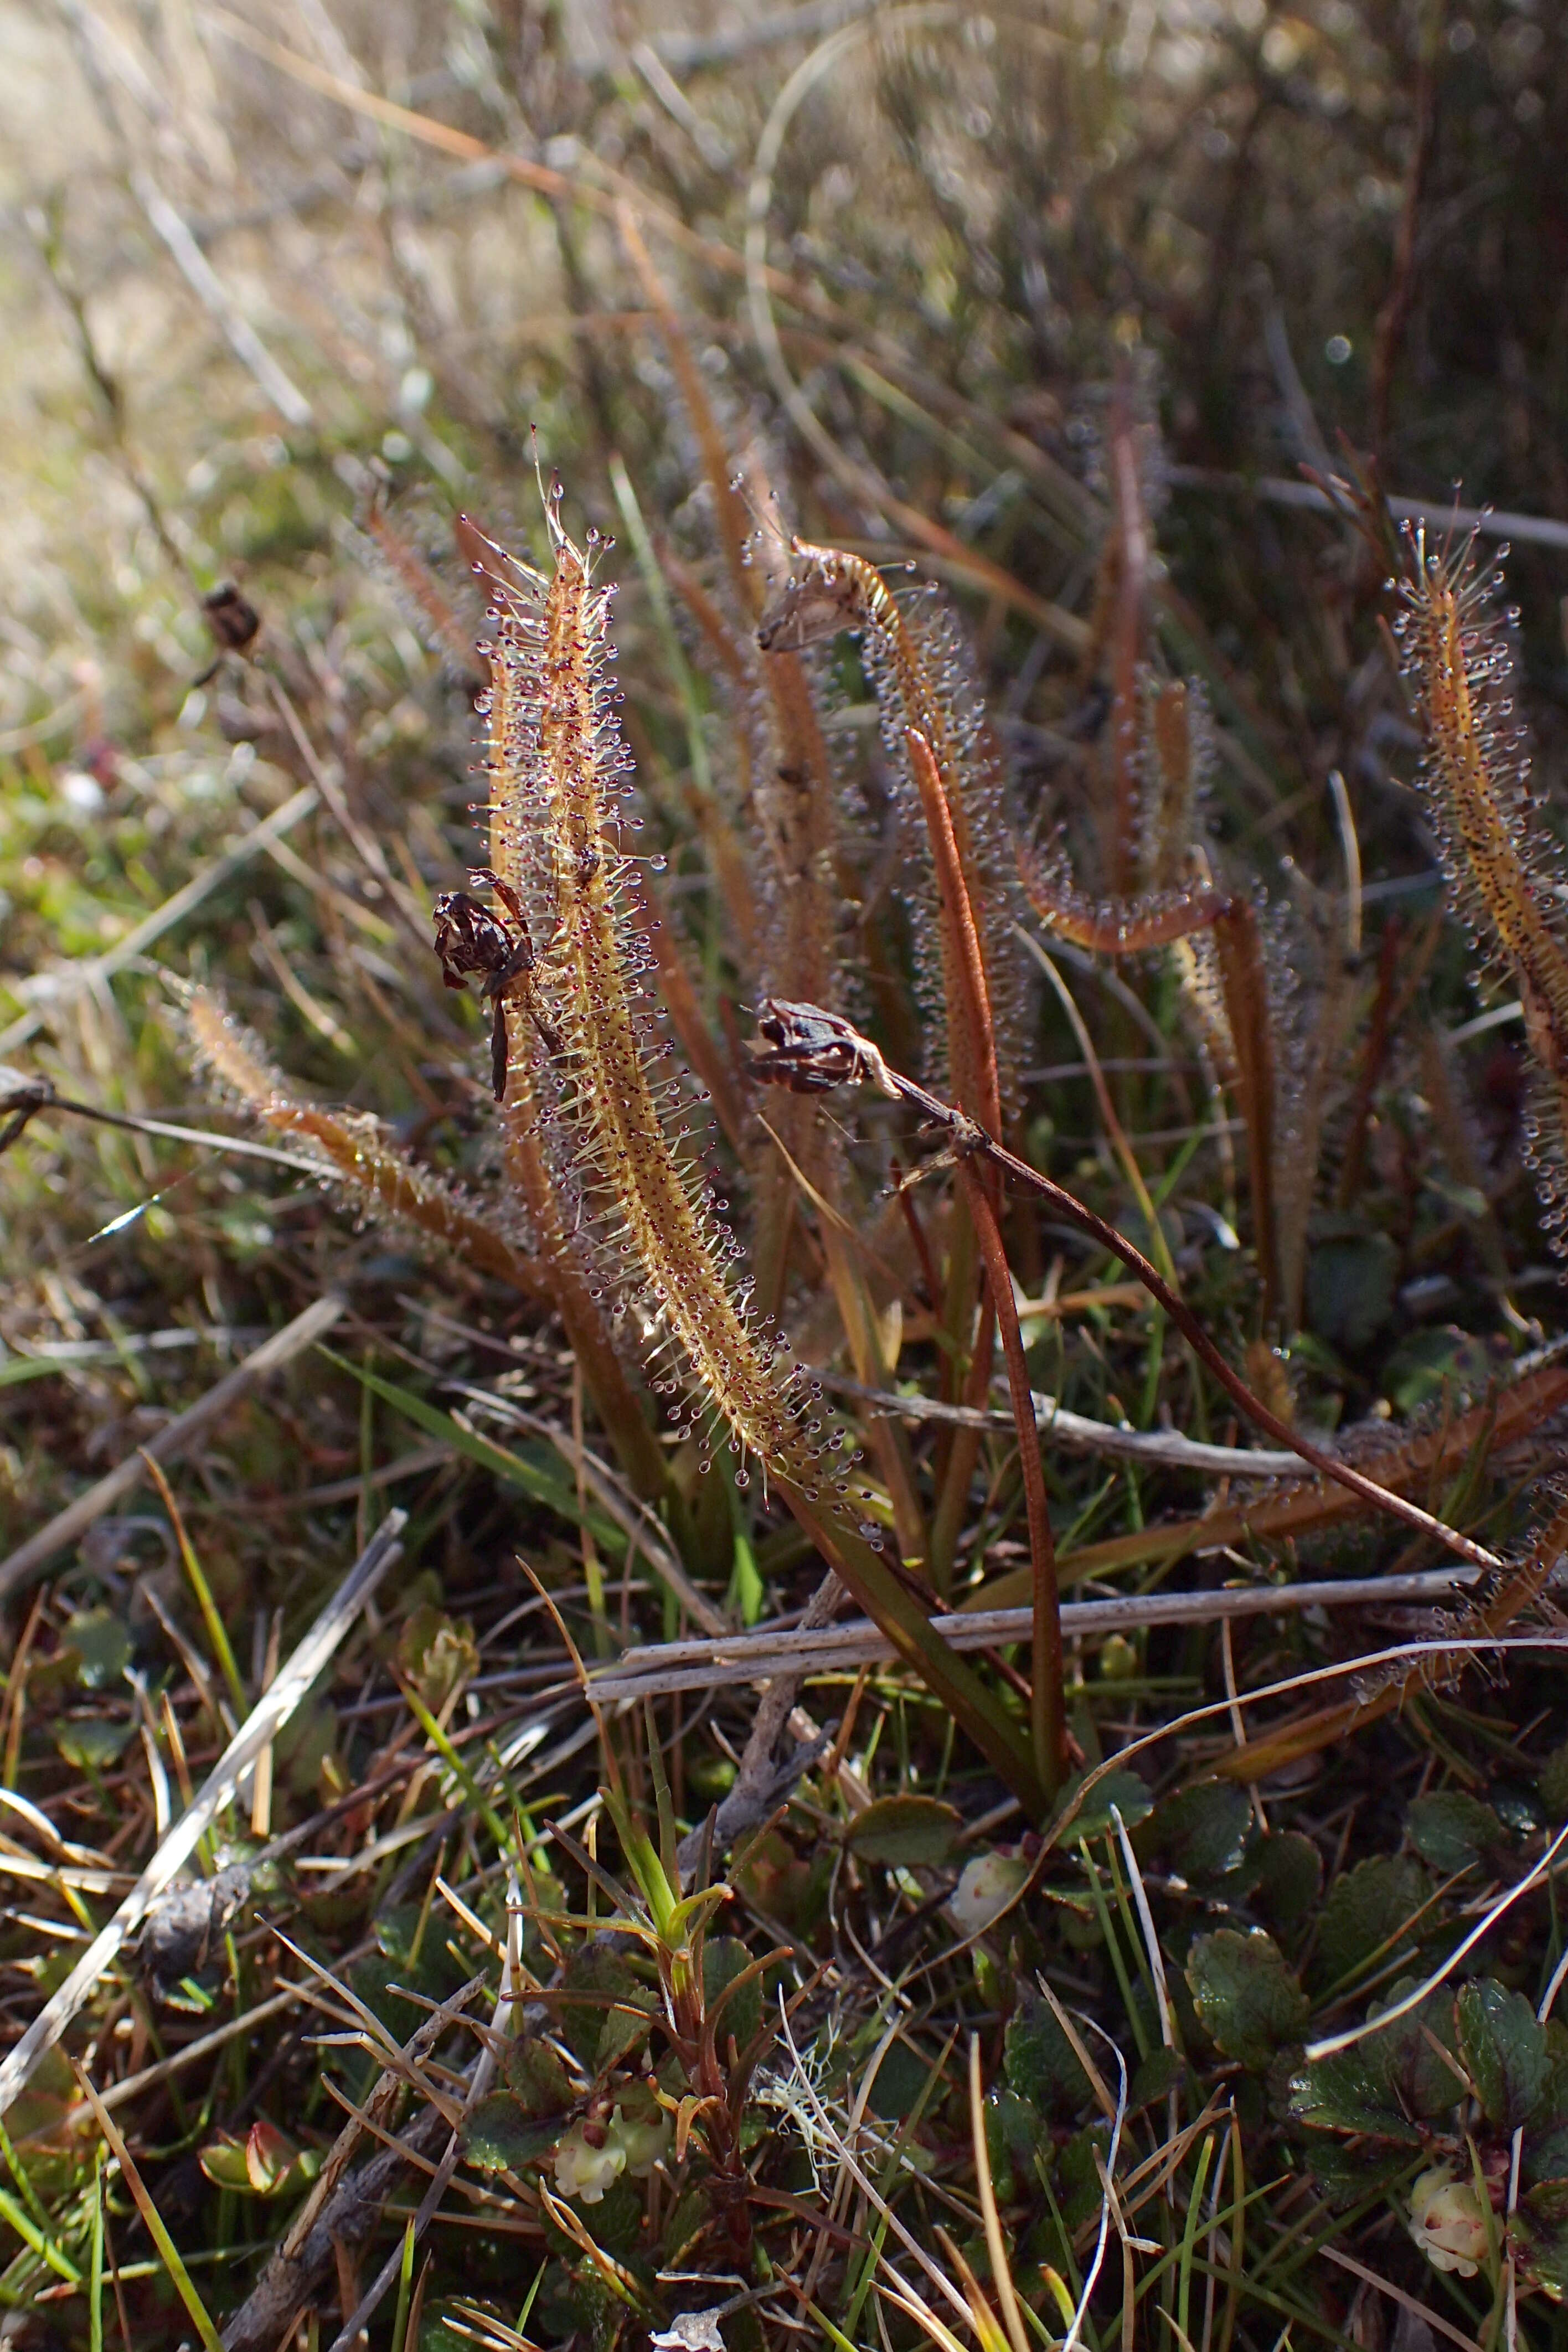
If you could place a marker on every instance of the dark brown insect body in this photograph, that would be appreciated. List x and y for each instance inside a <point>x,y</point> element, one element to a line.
<point>470,939</point>
<point>235,623</point>
<point>809,1051</point>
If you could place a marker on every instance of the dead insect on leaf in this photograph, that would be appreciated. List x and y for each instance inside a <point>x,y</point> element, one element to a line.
<point>811,1052</point>
<point>808,611</point>
<point>235,623</point>
<point>470,939</point>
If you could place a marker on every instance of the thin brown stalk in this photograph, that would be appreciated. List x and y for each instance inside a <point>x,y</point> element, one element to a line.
<point>1047,1716</point>
<point>1132,927</point>
<point>857,1061</point>
<point>1393,317</point>
<point>961,951</point>
<point>963,959</point>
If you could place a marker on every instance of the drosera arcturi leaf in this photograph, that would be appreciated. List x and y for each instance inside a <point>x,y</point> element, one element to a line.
<point>355,1152</point>
<point>1504,868</point>
<point>560,829</point>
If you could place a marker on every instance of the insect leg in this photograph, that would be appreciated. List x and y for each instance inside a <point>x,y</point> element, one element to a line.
<point>500,1050</point>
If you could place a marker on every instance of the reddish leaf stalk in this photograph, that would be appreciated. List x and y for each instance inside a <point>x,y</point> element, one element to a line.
<point>963,959</point>
<point>1047,1716</point>
<point>1132,928</point>
<point>857,1061</point>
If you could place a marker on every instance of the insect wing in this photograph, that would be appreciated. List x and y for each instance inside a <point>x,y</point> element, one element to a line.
<point>808,612</point>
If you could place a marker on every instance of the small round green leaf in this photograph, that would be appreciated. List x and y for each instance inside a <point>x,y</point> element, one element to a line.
<point>1504,2049</point>
<point>1452,1830</point>
<point>501,2136</point>
<point>904,1831</point>
<point>1246,1995</point>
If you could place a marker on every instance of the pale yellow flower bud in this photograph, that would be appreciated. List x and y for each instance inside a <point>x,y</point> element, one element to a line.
<point>988,1884</point>
<point>1449,2222</point>
<point>584,2171</point>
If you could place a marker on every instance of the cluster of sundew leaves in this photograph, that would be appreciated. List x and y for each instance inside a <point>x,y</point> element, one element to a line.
<point>1503,864</point>
<point>1236,995</point>
<point>559,774</point>
<point>924,682</point>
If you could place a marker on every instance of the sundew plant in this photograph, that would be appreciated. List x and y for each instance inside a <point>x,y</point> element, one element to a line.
<point>781,1125</point>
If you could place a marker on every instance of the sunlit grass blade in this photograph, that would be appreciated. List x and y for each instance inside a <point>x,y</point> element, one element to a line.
<point>146,2205</point>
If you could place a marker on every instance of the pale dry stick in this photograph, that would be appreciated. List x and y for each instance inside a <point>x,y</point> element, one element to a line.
<point>65,1352</point>
<point>1552,1990</point>
<point>214,296</point>
<point>708,142</point>
<point>16,1864</point>
<point>51,990</point>
<point>262,1725</point>
<point>486,2066</point>
<point>38,1820</point>
<point>700,52</point>
<point>67,1526</point>
<point>658,1672</point>
<point>1274,490</point>
<point>1077,1433</point>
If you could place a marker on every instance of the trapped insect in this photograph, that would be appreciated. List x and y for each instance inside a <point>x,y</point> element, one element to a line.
<point>470,939</point>
<point>809,1051</point>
